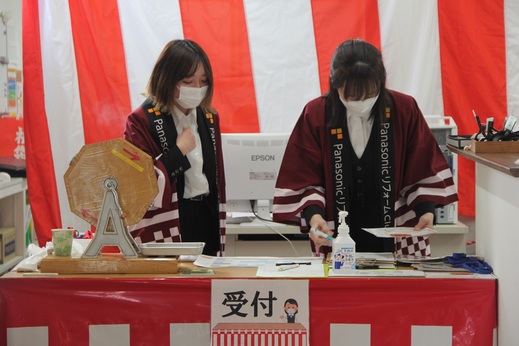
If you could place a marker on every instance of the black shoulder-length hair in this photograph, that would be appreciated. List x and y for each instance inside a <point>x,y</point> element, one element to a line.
<point>357,66</point>
<point>178,60</point>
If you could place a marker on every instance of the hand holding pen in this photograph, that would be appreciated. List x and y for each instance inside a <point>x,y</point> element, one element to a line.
<point>320,233</point>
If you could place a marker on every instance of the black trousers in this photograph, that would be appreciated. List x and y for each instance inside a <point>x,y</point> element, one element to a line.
<point>199,222</point>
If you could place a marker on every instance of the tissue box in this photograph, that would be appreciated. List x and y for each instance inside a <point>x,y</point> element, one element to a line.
<point>7,245</point>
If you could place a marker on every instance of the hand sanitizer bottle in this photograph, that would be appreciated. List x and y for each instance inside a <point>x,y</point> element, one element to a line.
<point>343,248</point>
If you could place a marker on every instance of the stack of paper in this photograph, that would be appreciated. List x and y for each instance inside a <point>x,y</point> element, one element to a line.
<point>375,260</point>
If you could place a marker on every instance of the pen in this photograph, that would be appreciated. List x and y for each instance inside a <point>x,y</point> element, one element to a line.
<point>322,234</point>
<point>292,263</point>
<point>283,268</point>
<point>480,127</point>
<point>490,126</point>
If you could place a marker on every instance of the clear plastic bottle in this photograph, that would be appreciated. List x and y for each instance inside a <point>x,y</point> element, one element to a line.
<point>343,248</point>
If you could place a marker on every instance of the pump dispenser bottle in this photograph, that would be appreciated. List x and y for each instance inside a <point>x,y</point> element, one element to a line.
<point>343,248</point>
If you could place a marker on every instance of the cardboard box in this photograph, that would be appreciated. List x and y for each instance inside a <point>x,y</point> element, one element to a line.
<point>7,244</point>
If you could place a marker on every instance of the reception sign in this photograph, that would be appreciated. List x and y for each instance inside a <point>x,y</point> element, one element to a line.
<point>259,312</point>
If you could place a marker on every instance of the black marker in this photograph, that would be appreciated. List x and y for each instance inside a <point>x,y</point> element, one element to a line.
<point>292,263</point>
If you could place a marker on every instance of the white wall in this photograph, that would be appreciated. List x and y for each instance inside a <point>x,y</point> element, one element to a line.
<point>10,43</point>
<point>14,28</point>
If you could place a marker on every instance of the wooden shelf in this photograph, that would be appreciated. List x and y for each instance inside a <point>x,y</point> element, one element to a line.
<point>503,162</point>
<point>13,214</point>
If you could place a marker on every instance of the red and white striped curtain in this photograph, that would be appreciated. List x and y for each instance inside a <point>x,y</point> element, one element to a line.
<point>87,62</point>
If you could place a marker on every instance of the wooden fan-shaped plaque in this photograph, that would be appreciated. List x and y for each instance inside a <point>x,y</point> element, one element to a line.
<point>119,159</point>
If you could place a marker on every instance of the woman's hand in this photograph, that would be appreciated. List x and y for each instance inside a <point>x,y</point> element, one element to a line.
<point>319,223</point>
<point>426,221</point>
<point>186,141</point>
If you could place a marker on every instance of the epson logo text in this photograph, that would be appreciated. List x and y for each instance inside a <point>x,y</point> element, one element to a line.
<point>263,157</point>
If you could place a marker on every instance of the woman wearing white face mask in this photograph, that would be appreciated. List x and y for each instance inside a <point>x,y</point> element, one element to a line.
<point>180,129</point>
<point>364,149</point>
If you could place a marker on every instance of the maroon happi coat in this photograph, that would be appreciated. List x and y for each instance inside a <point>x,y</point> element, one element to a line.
<point>161,222</point>
<point>421,173</point>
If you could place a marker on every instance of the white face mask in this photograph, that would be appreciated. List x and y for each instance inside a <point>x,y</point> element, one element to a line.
<point>291,311</point>
<point>360,107</point>
<point>191,97</point>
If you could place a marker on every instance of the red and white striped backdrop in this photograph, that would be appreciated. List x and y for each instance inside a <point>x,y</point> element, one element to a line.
<point>87,62</point>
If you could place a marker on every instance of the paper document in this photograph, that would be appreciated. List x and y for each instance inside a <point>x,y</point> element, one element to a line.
<point>392,232</point>
<point>247,262</point>
<point>378,273</point>
<point>314,270</point>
